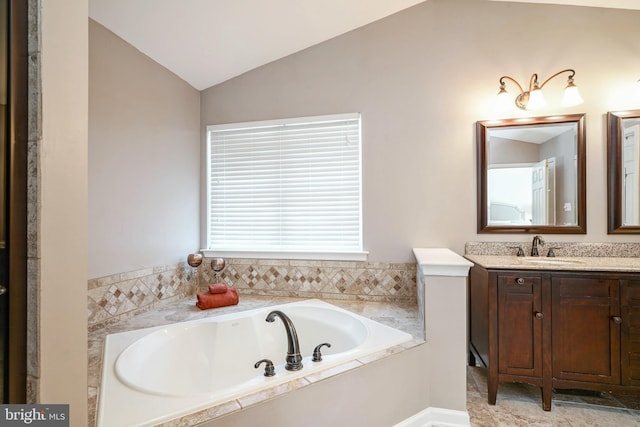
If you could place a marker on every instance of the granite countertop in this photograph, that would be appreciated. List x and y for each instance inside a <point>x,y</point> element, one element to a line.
<point>614,264</point>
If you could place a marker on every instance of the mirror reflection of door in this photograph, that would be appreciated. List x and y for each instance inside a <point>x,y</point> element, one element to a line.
<point>543,190</point>
<point>631,184</point>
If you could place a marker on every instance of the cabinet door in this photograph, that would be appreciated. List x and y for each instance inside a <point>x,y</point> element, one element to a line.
<point>630,305</point>
<point>585,329</point>
<point>520,325</point>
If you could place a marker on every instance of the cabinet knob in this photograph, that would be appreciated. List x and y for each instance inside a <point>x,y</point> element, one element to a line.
<point>539,315</point>
<point>617,320</point>
<point>520,281</point>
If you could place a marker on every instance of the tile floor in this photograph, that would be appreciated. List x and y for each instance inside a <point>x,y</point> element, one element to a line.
<point>521,405</point>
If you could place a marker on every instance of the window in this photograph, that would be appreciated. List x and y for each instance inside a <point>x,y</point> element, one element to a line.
<point>285,188</point>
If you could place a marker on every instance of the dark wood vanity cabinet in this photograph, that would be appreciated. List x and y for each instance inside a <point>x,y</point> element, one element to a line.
<point>555,329</point>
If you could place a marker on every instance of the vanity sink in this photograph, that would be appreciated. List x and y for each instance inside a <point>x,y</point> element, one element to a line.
<point>551,261</point>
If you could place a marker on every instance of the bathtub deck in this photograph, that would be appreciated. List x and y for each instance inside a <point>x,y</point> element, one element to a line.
<point>404,317</point>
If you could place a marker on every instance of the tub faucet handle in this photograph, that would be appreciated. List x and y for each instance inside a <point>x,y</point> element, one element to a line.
<point>317,355</point>
<point>269,370</point>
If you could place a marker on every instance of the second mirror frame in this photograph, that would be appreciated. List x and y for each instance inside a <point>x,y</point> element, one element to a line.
<point>615,168</point>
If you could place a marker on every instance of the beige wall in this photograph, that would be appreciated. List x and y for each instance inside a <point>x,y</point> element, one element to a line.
<point>144,170</point>
<point>421,79</point>
<point>63,207</point>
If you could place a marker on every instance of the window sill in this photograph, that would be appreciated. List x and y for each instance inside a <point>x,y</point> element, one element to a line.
<point>318,256</point>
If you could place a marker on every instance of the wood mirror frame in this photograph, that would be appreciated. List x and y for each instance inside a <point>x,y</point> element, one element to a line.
<point>615,171</point>
<point>482,127</point>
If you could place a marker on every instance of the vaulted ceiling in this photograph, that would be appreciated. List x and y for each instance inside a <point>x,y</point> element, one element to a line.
<point>206,42</point>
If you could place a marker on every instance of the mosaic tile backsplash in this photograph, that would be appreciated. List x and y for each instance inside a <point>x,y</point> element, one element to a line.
<point>119,296</point>
<point>113,298</point>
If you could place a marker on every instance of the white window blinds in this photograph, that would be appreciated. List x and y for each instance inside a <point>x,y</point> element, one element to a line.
<point>285,186</point>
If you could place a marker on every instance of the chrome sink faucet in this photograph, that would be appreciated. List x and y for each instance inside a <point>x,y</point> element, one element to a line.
<point>537,240</point>
<point>294,359</point>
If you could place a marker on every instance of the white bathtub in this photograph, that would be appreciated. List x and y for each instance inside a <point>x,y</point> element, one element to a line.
<point>158,374</point>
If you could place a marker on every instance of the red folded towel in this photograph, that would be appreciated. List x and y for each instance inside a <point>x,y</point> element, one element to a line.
<point>218,288</point>
<point>208,300</point>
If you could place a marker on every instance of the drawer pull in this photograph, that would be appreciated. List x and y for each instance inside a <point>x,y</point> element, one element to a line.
<point>539,315</point>
<point>520,281</point>
<point>617,320</point>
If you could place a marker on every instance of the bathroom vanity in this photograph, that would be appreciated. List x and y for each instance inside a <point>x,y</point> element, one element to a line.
<point>558,323</point>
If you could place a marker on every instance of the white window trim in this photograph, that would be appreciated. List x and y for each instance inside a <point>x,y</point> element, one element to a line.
<point>317,256</point>
<point>296,255</point>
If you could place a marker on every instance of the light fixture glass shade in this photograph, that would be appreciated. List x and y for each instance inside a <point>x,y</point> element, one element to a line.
<point>536,100</point>
<point>571,96</point>
<point>503,101</point>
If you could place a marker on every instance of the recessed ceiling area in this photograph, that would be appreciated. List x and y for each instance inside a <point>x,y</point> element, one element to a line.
<point>206,42</point>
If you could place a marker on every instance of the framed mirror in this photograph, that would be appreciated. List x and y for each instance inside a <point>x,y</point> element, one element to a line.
<point>532,175</point>
<point>623,170</point>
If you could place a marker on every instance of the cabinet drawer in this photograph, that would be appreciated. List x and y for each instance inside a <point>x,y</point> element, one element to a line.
<point>521,283</point>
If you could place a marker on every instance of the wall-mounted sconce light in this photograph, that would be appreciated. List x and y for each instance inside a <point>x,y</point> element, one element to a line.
<point>533,98</point>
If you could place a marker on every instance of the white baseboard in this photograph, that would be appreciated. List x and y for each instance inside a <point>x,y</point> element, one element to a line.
<point>439,417</point>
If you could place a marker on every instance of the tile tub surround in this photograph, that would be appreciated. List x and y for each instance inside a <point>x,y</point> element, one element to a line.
<point>119,296</point>
<point>403,316</point>
<point>344,280</point>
